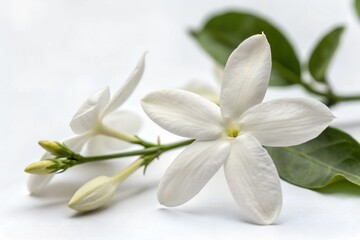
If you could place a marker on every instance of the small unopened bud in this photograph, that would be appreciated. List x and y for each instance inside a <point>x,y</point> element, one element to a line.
<point>94,194</point>
<point>99,191</point>
<point>56,148</point>
<point>41,167</point>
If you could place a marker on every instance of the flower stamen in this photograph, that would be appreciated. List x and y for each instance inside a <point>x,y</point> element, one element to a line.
<point>232,130</point>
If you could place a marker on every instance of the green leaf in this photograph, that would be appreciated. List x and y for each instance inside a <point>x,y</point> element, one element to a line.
<point>223,33</point>
<point>332,156</point>
<point>323,53</point>
<point>357,7</point>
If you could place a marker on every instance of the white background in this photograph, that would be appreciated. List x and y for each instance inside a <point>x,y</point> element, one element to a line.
<point>54,54</point>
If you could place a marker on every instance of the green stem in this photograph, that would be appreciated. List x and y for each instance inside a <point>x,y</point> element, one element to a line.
<point>309,88</point>
<point>330,97</point>
<point>158,149</point>
<point>125,173</point>
<point>144,143</point>
<point>347,98</point>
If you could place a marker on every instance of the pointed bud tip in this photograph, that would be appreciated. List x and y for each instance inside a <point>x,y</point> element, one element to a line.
<point>44,142</point>
<point>72,203</point>
<point>49,144</point>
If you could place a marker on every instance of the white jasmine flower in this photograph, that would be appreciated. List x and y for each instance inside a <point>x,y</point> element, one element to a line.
<point>99,191</point>
<point>97,124</point>
<point>232,135</point>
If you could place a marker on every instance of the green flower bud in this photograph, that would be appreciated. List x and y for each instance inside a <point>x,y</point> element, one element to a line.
<point>41,167</point>
<point>55,148</point>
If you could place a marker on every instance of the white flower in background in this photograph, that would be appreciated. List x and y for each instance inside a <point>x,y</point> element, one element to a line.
<point>97,124</point>
<point>232,135</point>
<point>206,90</point>
<point>99,191</point>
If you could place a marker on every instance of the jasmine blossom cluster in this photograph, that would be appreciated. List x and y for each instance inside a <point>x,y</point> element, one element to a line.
<point>228,131</point>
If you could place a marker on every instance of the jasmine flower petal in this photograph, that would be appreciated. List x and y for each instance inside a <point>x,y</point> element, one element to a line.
<point>253,180</point>
<point>287,121</point>
<point>184,113</point>
<point>127,88</point>
<point>191,170</point>
<point>87,117</point>
<point>246,76</point>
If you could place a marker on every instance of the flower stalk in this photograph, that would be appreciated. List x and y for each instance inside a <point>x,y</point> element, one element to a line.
<point>125,173</point>
<point>110,132</point>
<point>330,98</point>
<point>62,162</point>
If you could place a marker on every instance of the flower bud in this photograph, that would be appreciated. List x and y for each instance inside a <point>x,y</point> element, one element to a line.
<point>94,194</point>
<point>41,167</point>
<point>56,148</point>
<point>99,191</point>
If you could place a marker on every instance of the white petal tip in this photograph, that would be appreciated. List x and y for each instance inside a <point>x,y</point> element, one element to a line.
<point>327,112</point>
<point>258,37</point>
<point>269,219</point>
<point>142,58</point>
<point>264,217</point>
<point>166,201</point>
<point>141,64</point>
<point>168,204</point>
<point>87,115</point>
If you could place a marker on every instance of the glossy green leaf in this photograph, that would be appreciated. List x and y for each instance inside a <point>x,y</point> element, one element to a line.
<point>357,7</point>
<point>223,33</point>
<point>323,53</point>
<point>332,156</point>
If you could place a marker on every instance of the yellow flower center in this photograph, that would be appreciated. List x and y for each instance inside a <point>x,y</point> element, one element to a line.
<point>232,130</point>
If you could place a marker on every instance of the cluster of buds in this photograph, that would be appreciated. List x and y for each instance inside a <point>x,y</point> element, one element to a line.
<point>63,159</point>
<point>97,192</point>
